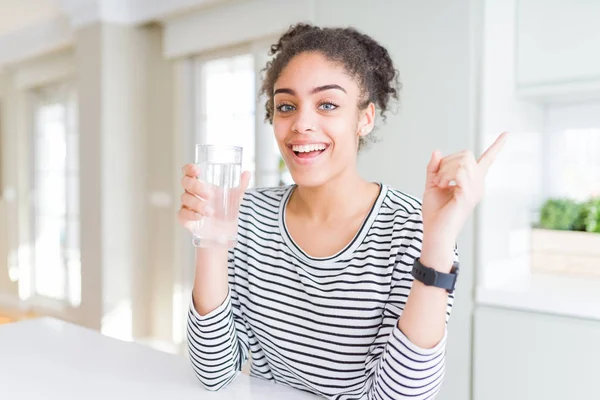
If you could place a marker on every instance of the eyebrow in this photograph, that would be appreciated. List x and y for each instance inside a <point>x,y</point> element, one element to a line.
<point>314,91</point>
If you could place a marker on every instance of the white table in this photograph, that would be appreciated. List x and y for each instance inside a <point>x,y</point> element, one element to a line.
<point>50,359</point>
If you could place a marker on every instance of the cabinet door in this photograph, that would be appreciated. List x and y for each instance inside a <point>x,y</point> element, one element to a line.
<point>524,356</point>
<point>558,42</point>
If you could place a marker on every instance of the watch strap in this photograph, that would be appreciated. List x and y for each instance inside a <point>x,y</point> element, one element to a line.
<point>432,277</point>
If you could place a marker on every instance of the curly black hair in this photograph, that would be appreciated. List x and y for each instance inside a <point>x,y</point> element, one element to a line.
<point>360,55</point>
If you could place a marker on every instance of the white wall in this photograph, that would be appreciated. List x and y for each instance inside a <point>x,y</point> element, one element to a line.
<point>23,14</point>
<point>124,94</point>
<point>8,145</point>
<point>125,120</point>
<point>547,28</point>
<point>161,177</point>
<point>88,58</point>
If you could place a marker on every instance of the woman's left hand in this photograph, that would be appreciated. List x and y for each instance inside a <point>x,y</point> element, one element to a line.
<point>454,187</point>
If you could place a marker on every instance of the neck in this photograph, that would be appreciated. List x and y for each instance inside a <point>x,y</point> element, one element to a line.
<point>338,198</point>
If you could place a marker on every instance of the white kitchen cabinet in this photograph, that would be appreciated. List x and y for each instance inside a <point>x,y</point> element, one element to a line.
<point>526,355</point>
<point>558,48</point>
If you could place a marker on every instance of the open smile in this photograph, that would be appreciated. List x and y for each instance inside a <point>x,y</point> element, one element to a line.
<point>308,153</point>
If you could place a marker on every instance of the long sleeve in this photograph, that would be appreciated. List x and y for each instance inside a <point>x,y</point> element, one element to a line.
<point>217,342</point>
<point>400,369</point>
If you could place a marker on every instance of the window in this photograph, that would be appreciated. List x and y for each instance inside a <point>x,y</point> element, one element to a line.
<point>576,157</point>
<point>227,105</point>
<point>56,271</point>
<point>572,165</point>
<point>226,113</point>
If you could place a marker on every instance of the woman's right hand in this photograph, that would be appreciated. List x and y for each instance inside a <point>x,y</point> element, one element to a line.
<point>196,195</point>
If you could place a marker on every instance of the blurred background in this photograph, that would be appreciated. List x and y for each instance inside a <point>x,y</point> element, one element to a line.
<point>102,101</point>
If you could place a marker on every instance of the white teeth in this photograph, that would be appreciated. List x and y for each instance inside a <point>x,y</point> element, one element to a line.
<point>305,148</point>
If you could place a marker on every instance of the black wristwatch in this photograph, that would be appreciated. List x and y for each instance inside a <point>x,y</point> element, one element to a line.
<point>431,277</point>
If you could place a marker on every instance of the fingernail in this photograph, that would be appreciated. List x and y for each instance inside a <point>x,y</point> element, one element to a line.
<point>209,211</point>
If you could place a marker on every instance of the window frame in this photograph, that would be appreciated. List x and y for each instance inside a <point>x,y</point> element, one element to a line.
<point>62,91</point>
<point>199,61</point>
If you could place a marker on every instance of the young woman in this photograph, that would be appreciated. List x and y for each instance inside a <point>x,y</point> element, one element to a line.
<point>332,285</point>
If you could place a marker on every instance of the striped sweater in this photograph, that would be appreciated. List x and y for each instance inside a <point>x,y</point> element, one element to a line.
<point>328,326</point>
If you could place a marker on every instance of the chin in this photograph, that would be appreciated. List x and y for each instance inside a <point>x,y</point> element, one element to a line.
<point>308,179</point>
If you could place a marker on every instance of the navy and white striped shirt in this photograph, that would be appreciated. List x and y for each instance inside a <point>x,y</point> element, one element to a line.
<point>328,326</point>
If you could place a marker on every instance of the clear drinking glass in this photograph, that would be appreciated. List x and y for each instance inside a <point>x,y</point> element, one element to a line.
<point>220,171</point>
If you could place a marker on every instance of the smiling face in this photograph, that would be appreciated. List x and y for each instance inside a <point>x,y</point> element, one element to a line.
<point>316,119</point>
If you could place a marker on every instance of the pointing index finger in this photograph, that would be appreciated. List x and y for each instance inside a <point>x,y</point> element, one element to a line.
<point>488,157</point>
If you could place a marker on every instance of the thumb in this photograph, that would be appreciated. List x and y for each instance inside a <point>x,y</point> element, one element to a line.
<point>244,181</point>
<point>434,165</point>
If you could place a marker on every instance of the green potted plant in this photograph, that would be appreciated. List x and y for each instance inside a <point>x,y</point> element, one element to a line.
<point>566,238</point>
<point>560,214</point>
<point>591,216</point>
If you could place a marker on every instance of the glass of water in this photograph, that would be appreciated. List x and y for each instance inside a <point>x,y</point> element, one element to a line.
<point>220,171</point>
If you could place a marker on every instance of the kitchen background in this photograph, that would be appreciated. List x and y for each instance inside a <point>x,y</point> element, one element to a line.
<point>101,102</point>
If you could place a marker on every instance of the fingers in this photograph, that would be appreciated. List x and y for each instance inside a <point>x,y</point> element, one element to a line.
<point>198,194</point>
<point>191,184</point>
<point>186,215</point>
<point>450,177</point>
<point>461,174</point>
<point>193,200</point>
<point>446,181</point>
<point>195,204</point>
<point>450,166</point>
<point>195,187</point>
<point>465,155</point>
<point>488,157</point>
<point>458,177</point>
<point>190,170</point>
<point>244,181</point>
<point>452,163</point>
<point>461,178</point>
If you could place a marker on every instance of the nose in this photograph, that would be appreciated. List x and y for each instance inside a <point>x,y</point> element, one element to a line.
<point>304,123</point>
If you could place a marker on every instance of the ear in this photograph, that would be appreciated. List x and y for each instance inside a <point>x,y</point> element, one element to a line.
<point>366,121</point>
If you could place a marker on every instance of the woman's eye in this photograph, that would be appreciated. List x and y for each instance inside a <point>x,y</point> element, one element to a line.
<point>285,108</point>
<point>328,106</point>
